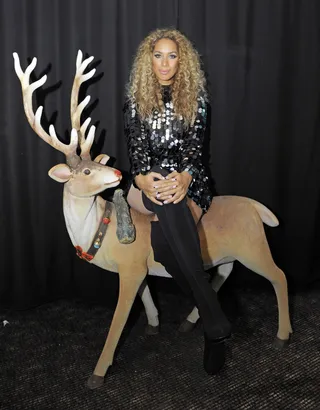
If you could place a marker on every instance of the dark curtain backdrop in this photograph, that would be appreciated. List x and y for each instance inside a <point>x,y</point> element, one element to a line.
<point>263,67</point>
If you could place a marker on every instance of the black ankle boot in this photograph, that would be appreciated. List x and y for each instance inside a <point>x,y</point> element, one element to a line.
<point>214,354</point>
<point>126,232</point>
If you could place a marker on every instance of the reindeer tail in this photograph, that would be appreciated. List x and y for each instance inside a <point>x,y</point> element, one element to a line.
<point>265,214</point>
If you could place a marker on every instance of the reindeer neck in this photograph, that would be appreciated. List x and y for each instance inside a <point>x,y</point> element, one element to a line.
<point>82,216</point>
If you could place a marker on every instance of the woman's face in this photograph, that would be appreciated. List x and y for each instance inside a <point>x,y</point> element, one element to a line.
<point>165,60</point>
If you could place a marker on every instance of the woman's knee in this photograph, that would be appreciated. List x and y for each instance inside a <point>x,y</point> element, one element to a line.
<point>159,170</point>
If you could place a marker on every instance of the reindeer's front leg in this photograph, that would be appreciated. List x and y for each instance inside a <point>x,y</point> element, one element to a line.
<point>128,288</point>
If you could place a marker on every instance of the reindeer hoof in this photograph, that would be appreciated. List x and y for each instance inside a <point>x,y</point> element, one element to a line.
<point>151,330</point>
<point>186,326</point>
<point>95,381</point>
<point>280,344</point>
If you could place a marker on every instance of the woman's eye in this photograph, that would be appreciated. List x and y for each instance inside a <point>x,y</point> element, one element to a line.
<point>172,56</point>
<point>157,55</point>
<point>87,171</point>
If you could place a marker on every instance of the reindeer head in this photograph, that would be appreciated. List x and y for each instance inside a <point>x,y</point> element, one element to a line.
<point>83,177</point>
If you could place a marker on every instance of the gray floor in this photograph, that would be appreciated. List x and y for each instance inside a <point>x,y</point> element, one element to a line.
<point>48,353</point>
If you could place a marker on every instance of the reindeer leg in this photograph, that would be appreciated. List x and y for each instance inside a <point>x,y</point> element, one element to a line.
<point>128,288</point>
<point>218,280</point>
<point>285,330</point>
<point>261,262</point>
<point>151,311</point>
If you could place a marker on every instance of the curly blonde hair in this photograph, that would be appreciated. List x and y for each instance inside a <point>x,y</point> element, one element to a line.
<point>189,81</point>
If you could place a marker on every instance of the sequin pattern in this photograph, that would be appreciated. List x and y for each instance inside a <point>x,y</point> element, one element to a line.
<point>162,140</point>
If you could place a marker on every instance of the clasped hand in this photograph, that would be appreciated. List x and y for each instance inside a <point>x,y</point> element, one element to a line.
<point>164,190</point>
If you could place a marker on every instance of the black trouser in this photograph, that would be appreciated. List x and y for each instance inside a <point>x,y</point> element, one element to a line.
<point>184,262</point>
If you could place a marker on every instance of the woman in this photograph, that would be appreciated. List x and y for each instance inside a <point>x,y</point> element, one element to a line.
<point>165,118</point>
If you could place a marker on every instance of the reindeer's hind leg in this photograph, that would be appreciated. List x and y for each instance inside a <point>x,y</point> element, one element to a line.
<point>128,288</point>
<point>151,310</point>
<point>260,261</point>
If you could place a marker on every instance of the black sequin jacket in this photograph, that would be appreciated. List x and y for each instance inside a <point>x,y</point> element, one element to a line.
<point>162,140</point>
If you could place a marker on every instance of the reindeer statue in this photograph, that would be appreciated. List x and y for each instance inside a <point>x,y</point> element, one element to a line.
<point>231,230</point>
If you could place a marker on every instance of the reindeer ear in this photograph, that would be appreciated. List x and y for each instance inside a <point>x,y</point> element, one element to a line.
<point>102,159</point>
<point>60,173</point>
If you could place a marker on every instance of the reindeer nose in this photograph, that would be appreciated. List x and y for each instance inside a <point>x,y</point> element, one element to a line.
<point>118,173</point>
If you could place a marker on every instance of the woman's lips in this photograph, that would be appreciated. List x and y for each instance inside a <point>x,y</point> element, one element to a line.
<point>164,72</point>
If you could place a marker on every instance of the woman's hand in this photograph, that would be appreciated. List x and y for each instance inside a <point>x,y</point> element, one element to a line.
<point>174,188</point>
<point>147,184</point>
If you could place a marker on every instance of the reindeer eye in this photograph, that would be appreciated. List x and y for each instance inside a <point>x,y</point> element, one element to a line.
<point>87,171</point>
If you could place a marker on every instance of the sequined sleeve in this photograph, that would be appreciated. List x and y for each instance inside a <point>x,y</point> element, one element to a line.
<point>137,142</point>
<point>191,148</point>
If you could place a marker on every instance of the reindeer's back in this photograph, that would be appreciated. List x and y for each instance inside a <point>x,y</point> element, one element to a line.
<point>230,224</point>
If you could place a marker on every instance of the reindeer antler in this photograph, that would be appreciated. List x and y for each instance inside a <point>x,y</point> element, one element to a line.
<point>70,150</point>
<point>76,110</point>
<point>78,132</point>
